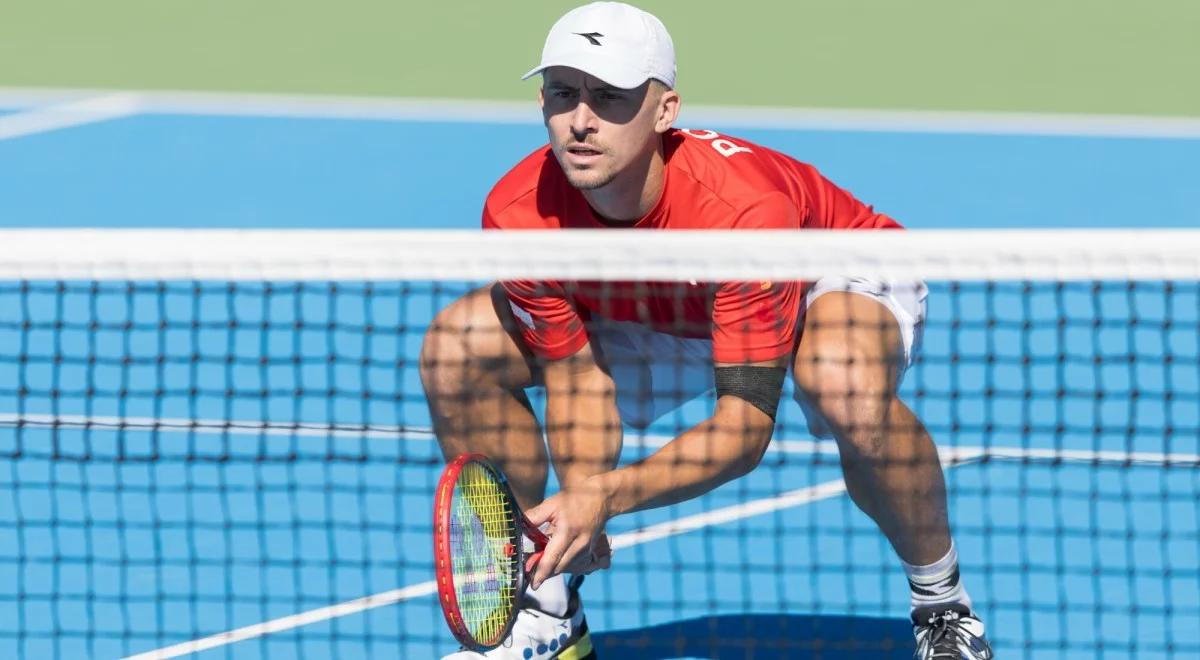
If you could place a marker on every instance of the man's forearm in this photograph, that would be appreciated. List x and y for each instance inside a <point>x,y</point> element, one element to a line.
<point>706,456</point>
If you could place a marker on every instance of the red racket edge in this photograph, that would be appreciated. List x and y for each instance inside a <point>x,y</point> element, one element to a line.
<point>442,562</point>
<point>444,565</point>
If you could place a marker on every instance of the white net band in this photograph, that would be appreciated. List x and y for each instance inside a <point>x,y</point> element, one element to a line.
<point>999,255</point>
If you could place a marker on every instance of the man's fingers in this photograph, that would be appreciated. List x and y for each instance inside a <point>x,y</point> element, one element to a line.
<point>595,555</point>
<point>602,551</point>
<point>562,553</point>
<point>592,564</point>
<point>602,546</point>
<point>577,558</point>
<point>549,561</point>
<point>540,513</point>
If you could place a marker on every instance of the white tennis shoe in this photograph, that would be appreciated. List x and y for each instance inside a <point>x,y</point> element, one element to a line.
<point>537,635</point>
<point>949,632</point>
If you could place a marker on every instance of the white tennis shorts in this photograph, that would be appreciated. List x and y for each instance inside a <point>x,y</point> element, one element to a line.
<point>656,373</point>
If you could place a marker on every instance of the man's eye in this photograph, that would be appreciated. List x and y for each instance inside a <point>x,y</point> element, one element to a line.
<point>561,93</point>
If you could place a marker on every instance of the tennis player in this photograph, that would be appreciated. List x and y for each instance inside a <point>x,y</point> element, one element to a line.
<point>605,353</point>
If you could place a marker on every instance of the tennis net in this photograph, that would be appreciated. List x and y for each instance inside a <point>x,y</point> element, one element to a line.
<point>218,441</point>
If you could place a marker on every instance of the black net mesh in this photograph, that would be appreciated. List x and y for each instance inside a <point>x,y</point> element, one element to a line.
<point>183,459</point>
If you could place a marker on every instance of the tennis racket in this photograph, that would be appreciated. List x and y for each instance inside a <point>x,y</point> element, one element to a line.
<point>484,549</point>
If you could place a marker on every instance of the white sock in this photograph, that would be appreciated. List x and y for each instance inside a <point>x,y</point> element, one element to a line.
<point>937,583</point>
<point>552,597</point>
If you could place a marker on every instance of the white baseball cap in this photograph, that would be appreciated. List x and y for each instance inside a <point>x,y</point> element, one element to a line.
<point>615,42</point>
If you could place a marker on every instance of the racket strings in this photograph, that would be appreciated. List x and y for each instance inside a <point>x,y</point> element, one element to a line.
<point>483,534</point>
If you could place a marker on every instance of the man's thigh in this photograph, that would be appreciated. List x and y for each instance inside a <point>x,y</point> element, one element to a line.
<point>475,338</point>
<point>903,300</point>
<point>871,326</point>
<point>656,373</point>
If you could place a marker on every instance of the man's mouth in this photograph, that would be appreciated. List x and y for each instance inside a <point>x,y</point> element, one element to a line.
<point>582,150</point>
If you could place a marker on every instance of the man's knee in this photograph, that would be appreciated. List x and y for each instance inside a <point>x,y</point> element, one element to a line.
<point>468,346</point>
<point>850,391</point>
<point>847,367</point>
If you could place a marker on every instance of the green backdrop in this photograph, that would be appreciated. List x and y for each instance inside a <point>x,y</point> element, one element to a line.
<point>1103,56</point>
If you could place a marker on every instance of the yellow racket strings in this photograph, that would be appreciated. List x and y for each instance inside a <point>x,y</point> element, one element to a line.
<point>482,538</point>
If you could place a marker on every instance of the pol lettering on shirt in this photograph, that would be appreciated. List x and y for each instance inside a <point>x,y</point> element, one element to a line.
<point>724,146</point>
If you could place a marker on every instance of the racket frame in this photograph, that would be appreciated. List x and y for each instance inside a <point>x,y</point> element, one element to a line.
<point>443,561</point>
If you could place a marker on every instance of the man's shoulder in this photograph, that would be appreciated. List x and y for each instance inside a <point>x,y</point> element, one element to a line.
<point>519,186</point>
<point>737,172</point>
<point>731,164</point>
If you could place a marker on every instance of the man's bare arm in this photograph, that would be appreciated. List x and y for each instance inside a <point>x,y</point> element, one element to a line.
<point>726,446</point>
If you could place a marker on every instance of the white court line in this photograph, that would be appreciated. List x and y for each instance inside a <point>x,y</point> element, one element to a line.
<point>795,498</point>
<point>652,533</point>
<point>292,621</point>
<point>950,457</point>
<point>302,429</point>
<point>69,113</point>
<point>214,426</point>
<point>520,112</point>
<point>950,454</point>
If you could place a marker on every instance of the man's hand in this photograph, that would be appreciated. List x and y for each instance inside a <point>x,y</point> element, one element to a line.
<point>578,543</point>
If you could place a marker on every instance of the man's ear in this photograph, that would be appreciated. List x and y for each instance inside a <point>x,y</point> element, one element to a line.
<point>668,111</point>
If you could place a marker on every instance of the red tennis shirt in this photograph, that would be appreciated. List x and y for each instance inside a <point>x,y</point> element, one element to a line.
<point>712,182</point>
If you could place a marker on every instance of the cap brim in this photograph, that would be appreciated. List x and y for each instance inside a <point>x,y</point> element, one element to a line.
<point>611,75</point>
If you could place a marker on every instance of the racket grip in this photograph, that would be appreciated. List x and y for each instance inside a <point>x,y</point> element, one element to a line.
<point>534,534</point>
<point>539,540</point>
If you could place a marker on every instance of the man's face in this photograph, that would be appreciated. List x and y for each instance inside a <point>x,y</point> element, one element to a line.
<point>596,130</point>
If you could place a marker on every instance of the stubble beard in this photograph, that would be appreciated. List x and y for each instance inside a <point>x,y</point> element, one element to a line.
<point>589,179</point>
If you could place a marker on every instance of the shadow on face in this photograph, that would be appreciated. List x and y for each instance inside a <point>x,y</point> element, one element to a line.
<point>565,89</point>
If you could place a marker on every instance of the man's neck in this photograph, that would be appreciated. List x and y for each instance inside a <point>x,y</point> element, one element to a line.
<point>630,196</point>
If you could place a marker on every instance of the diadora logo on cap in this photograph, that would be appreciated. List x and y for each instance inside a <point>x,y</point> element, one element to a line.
<point>592,37</point>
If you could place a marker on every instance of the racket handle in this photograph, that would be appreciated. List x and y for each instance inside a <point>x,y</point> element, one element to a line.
<point>539,540</point>
<point>534,534</point>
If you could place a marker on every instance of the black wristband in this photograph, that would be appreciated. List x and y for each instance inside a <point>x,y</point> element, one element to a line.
<point>758,386</point>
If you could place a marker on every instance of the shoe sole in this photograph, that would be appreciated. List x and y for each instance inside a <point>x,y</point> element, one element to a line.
<point>581,650</point>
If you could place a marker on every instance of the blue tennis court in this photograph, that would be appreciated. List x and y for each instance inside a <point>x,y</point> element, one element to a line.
<point>186,459</point>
